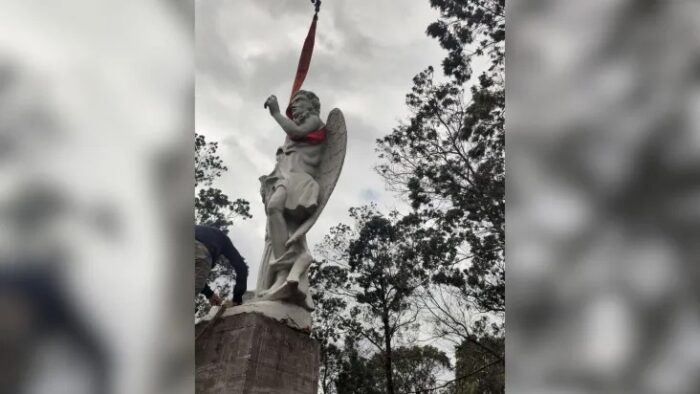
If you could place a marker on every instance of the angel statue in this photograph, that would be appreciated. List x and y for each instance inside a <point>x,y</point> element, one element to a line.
<point>295,193</point>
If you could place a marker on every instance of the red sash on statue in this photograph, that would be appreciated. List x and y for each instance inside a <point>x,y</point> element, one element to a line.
<point>313,138</point>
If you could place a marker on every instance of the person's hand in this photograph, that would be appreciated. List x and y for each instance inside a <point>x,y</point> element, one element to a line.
<point>215,299</point>
<point>272,104</point>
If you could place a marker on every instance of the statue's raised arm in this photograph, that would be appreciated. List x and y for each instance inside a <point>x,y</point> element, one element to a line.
<point>302,110</point>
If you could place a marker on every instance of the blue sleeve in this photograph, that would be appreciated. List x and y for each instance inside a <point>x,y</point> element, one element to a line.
<point>241,269</point>
<point>207,291</point>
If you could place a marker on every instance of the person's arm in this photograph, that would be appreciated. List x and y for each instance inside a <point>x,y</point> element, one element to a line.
<point>207,291</point>
<point>241,269</point>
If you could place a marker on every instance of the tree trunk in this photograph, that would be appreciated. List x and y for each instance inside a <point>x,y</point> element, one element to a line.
<point>324,377</point>
<point>388,369</point>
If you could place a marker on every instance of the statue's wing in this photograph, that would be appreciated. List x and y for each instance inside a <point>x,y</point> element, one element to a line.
<point>332,160</point>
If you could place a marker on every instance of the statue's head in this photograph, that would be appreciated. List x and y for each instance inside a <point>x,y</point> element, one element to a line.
<point>305,103</point>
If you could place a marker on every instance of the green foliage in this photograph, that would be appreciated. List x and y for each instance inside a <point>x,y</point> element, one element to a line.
<point>467,29</point>
<point>448,158</point>
<point>415,369</point>
<point>212,207</point>
<point>357,375</point>
<point>483,374</point>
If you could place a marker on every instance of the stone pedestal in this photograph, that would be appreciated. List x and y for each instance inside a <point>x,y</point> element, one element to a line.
<point>252,354</point>
<point>290,315</point>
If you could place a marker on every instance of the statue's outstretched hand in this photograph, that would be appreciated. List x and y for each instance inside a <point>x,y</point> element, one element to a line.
<point>272,104</point>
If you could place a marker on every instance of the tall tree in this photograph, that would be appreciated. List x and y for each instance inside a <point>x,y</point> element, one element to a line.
<point>371,272</point>
<point>448,160</point>
<point>448,157</point>
<point>327,324</point>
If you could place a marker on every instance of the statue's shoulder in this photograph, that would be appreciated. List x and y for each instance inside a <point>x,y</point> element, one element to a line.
<point>314,123</point>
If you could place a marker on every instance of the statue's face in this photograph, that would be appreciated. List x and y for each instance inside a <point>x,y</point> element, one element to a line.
<point>301,107</point>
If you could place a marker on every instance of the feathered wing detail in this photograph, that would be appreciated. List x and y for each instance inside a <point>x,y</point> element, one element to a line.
<point>332,160</point>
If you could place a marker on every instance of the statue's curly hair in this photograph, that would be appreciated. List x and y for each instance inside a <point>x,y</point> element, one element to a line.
<point>311,96</point>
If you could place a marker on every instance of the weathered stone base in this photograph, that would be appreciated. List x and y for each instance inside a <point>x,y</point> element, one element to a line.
<point>251,354</point>
<point>292,315</point>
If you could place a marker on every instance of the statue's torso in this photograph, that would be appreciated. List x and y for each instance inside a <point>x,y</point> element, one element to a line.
<point>300,157</point>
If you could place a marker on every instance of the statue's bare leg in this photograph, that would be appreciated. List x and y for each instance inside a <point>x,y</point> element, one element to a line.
<point>279,279</point>
<point>300,266</point>
<point>277,226</point>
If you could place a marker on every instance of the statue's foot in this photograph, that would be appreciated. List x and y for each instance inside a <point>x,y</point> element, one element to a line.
<point>279,282</point>
<point>288,291</point>
<point>277,293</point>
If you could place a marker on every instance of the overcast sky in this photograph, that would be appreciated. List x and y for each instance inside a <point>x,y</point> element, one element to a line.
<point>366,54</point>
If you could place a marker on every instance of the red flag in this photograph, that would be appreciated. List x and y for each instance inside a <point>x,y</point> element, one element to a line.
<point>304,62</point>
